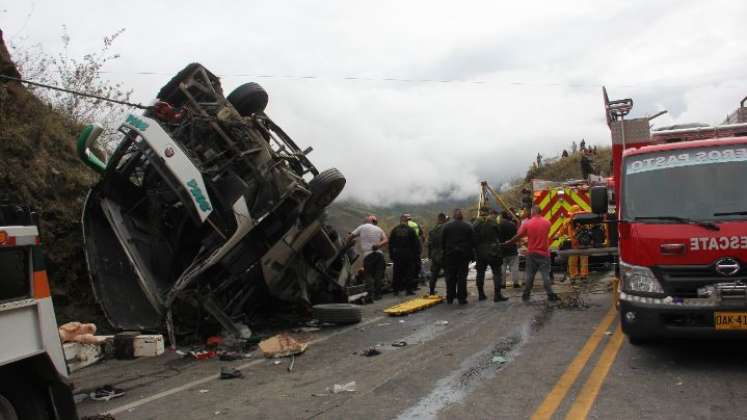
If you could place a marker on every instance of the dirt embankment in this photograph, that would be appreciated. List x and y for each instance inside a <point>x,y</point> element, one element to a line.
<point>39,167</point>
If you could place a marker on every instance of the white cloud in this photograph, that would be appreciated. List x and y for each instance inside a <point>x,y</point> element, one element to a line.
<point>400,141</point>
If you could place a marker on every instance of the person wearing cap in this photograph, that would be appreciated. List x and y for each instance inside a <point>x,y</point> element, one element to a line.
<point>371,238</point>
<point>404,247</point>
<point>435,251</point>
<point>536,229</point>
<point>487,235</point>
<point>457,241</point>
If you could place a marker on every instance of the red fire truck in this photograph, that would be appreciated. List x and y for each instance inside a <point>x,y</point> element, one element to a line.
<point>682,223</point>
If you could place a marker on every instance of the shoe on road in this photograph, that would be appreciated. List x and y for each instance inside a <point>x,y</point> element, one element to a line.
<point>482,297</point>
<point>516,286</point>
<point>463,302</point>
<point>553,297</point>
<point>525,298</point>
<point>499,298</point>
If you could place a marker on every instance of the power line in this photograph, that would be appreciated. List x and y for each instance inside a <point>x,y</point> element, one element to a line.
<point>73,92</point>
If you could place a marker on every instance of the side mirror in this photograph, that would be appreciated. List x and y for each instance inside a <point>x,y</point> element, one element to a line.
<point>599,200</point>
<point>89,135</point>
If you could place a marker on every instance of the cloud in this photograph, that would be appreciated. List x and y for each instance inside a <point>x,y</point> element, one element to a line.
<point>540,71</point>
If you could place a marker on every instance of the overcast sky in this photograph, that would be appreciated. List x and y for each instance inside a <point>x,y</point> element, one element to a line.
<point>526,75</point>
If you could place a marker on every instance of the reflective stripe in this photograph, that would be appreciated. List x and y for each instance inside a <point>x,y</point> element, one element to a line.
<point>41,285</point>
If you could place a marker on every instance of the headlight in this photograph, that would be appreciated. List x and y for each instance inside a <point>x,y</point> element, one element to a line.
<point>638,279</point>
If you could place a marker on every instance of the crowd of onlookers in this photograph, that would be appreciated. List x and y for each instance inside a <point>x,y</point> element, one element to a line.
<point>489,240</point>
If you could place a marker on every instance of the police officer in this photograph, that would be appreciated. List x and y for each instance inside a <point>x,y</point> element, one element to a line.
<point>487,241</point>
<point>404,246</point>
<point>418,257</point>
<point>435,251</point>
<point>458,244</point>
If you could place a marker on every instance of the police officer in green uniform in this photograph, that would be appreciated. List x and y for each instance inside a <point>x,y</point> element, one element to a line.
<point>436,251</point>
<point>487,240</point>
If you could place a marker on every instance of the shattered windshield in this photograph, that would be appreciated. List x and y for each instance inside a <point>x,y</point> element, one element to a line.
<point>699,184</point>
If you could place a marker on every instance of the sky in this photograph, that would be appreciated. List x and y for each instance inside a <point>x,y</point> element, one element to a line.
<point>492,83</point>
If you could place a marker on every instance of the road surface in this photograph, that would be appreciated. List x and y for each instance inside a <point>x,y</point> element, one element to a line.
<point>504,360</point>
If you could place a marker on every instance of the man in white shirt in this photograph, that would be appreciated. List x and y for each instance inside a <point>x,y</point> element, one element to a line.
<point>371,239</point>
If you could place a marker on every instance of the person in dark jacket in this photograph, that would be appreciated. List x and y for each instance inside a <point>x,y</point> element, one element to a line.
<point>404,246</point>
<point>436,252</point>
<point>509,251</point>
<point>487,235</point>
<point>458,245</point>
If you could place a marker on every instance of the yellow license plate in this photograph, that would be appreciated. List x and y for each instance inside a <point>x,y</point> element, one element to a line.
<point>730,320</point>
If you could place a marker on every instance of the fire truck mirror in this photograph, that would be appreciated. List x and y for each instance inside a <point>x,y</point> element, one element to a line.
<point>599,200</point>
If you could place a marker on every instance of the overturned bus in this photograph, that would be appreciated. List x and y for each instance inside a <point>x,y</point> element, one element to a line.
<point>205,206</point>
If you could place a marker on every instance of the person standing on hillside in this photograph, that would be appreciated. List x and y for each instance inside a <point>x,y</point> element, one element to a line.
<point>458,245</point>
<point>371,239</point>
<point>404,246</point>
<point>436,252</point>
<point>586,167</point>
<point>536,229</point>
<point>487,234</point>
<point>509,252</point>
<point>574,147</point>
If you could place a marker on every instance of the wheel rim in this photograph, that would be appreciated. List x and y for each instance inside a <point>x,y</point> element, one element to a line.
<point>7,412</point>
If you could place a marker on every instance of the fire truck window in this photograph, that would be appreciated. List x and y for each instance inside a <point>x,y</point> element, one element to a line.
<point>15,280</point>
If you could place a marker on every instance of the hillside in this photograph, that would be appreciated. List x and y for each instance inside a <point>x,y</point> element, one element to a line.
<point>346,215</point>
<point>560,170</point>
<point>40,168</point>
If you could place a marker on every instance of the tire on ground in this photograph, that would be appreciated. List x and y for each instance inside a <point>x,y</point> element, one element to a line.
<point>638,341</point>
<point>324,187</point>
<point>337,313</point>
<point>28,402</point>
<point>249,98</point>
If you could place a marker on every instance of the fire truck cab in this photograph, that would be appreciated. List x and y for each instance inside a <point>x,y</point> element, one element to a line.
<point>682,222</point>
<point>33,373</point>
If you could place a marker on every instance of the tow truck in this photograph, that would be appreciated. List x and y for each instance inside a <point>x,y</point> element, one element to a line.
<point>682,222</point>
<point>34,381</point>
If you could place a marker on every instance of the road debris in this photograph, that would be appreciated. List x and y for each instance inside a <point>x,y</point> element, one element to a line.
<point>203,355</point>
<point>292,362</point>
<point>399,344</point>
<point>106,393</point>
<point>78,332</point>
<point>203,391</point>
<point>442,322</point>
<point>348,387</point>
<point>370,352</point>
<point>230,373</point>
<point>498,359</point>
<point>281,345</point>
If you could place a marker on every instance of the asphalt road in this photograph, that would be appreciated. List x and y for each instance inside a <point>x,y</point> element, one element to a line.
<point>504,360</point>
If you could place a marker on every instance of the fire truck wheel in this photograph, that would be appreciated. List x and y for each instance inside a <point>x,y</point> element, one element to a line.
<point>22,403</point>
<point>637,341</point>
<point>248,98</point>
<point>324,187</point>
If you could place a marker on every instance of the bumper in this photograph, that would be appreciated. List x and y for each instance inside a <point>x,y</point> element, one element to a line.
<point>670,321</point>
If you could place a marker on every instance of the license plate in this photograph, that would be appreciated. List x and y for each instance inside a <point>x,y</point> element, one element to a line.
<point>730,320</point>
